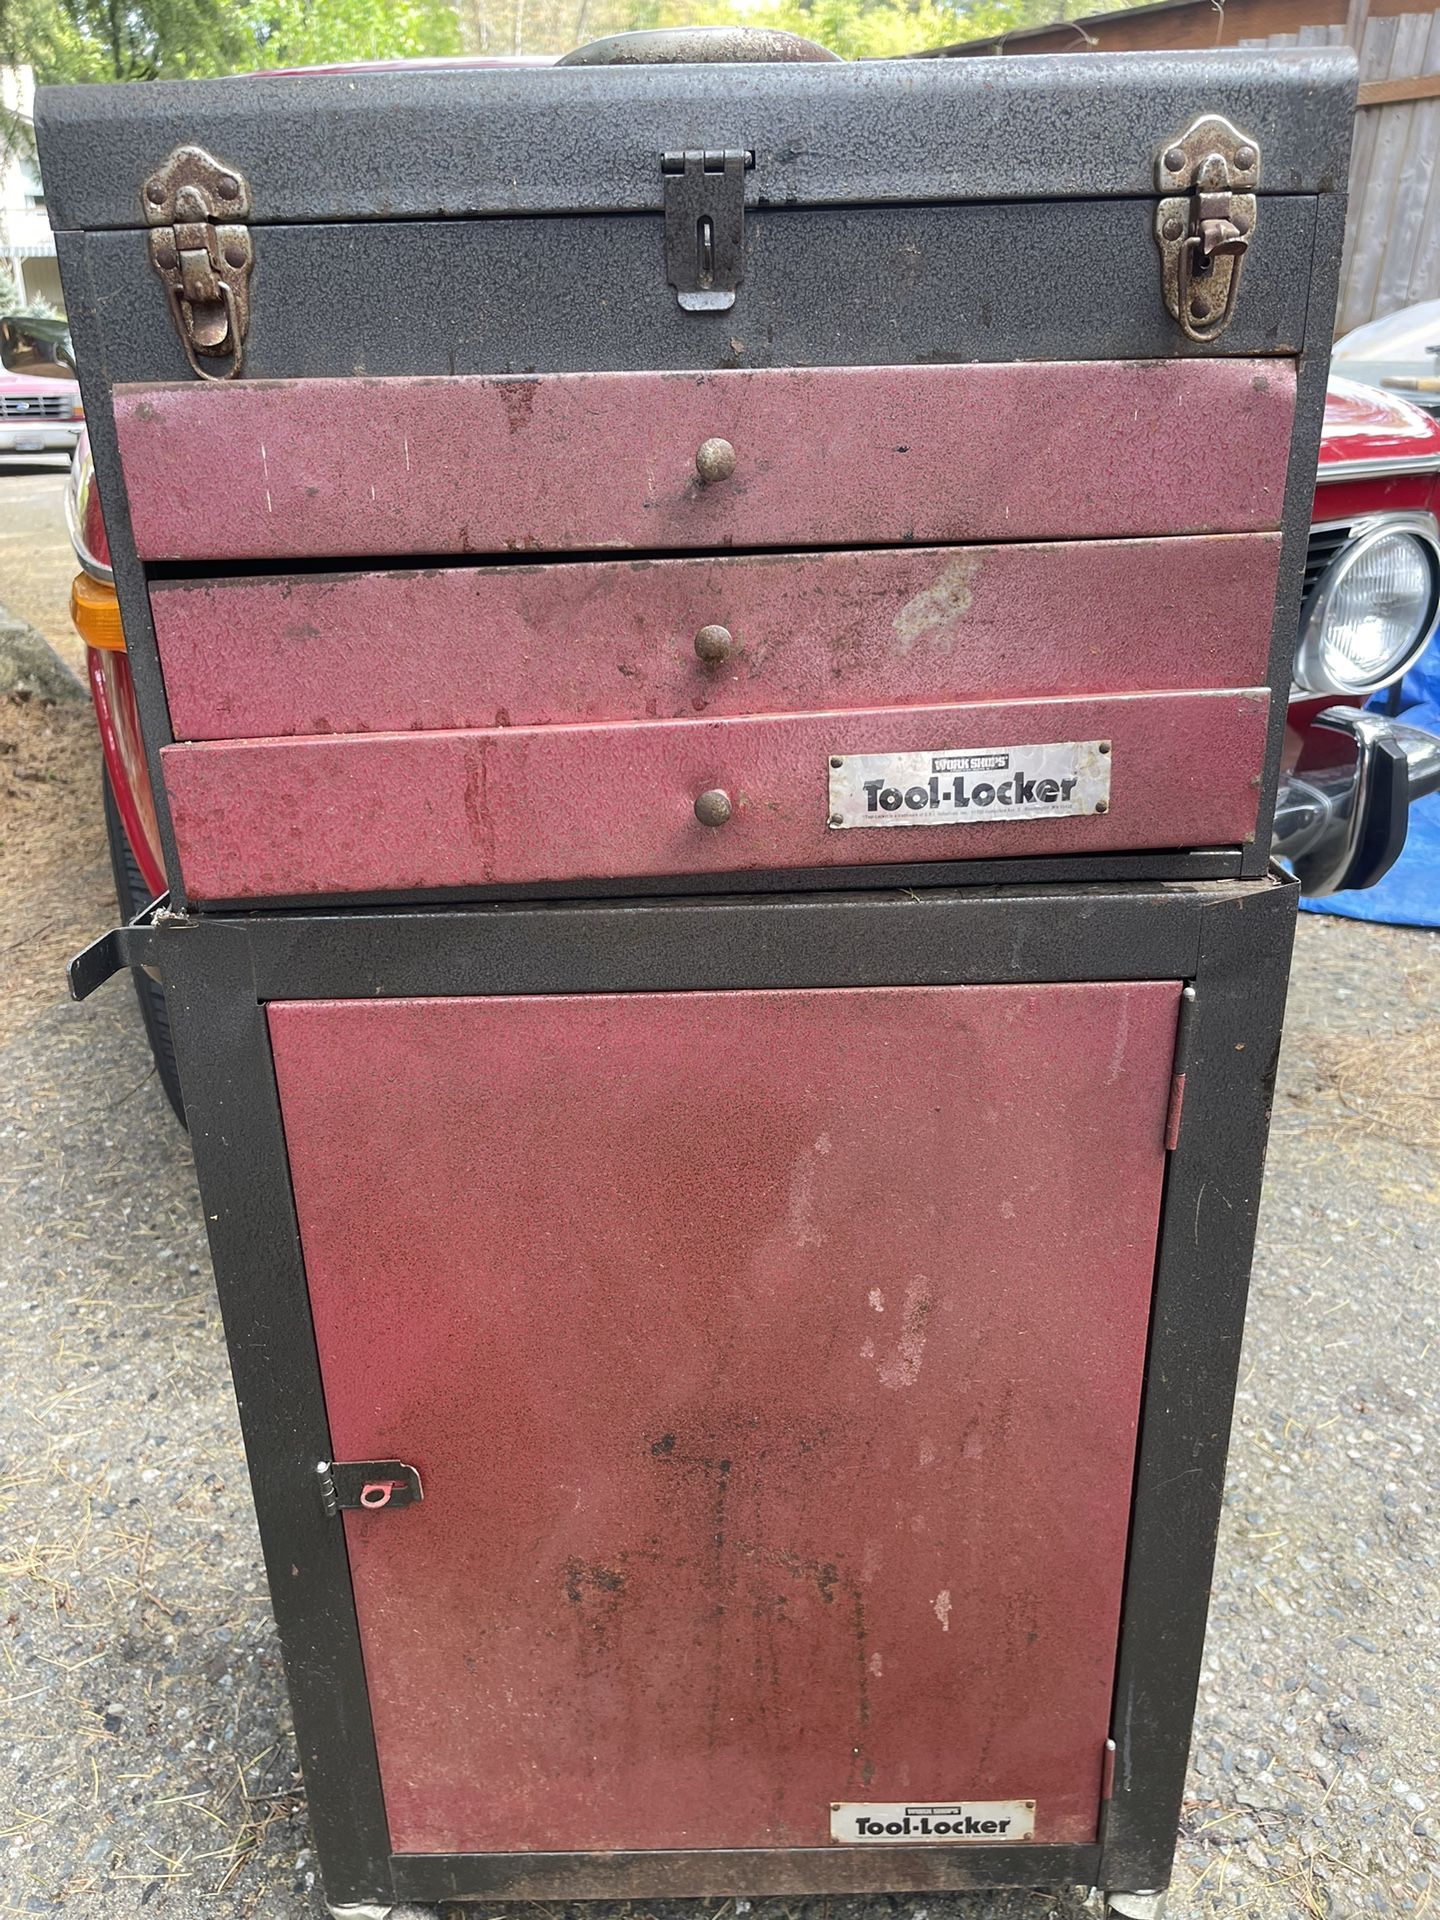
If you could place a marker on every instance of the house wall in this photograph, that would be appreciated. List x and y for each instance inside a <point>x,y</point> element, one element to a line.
<point>26,244</point>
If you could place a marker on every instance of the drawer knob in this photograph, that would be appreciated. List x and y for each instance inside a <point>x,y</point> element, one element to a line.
<point>713,809</point>
<point>714,645</point>
<point>715,461</point>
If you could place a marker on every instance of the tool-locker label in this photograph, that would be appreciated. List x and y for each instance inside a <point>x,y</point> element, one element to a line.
<point>894,1823</point>
<point>970,786</point>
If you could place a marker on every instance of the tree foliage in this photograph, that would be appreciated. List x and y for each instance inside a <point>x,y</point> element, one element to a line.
<point>186,39</point>
<point>175,39</point>
<point>855,28</point>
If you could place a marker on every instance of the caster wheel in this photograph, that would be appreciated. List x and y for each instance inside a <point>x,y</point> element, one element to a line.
<point>369,1910</point>
<point>1136,1906</point>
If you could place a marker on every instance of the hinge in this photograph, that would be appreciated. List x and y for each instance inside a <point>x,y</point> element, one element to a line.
<point>1184,1021</point>
<point>705,226</point>
<point>1107,1791</point>
<point>369,1485</point>
<point>196,208</point>
<point>1205,229</point>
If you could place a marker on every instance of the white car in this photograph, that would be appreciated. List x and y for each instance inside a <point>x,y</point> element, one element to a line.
<point>38,416</point>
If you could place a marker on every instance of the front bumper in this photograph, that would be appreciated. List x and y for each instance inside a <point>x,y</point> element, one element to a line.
<point>39,436</point>
<point>1342,826</point>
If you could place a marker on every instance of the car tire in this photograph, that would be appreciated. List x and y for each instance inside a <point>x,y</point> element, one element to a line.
<point>133,896</point>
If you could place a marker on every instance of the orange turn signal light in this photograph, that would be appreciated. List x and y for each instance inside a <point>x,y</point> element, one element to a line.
<point>96,613</point>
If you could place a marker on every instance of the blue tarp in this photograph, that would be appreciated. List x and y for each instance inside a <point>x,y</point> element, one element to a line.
<point>1409,895</point>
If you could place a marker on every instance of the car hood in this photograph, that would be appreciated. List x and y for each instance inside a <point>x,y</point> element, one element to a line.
<point>1362,423</point>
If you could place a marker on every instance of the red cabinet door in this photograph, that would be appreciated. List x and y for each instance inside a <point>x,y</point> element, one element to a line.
<point>771,1361</point>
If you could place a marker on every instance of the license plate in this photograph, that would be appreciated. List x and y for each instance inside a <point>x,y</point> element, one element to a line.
<point>27,446</point>
<point>970,786</point>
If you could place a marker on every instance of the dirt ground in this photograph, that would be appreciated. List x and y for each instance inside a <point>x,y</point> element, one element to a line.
<point>146,1762</point>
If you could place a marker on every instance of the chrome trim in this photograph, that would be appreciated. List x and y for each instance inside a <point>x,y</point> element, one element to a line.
<point>1320,815</point>
<point>1382,467</point>
<point>1422,758</point>
<point>79,481</point>
<point>1364,532</point>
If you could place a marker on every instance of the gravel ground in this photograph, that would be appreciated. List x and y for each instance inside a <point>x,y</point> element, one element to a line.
<point>145,1753</point>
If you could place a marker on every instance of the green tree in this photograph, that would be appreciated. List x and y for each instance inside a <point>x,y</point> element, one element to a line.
<point>169,39</point>
<point>308,33</point>
<point>188,39</point>
<point>108,40</point>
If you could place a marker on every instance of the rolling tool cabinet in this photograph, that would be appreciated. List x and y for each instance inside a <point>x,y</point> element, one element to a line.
<point>713,642</point>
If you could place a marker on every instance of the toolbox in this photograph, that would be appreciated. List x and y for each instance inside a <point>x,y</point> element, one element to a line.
<point>713,637</point>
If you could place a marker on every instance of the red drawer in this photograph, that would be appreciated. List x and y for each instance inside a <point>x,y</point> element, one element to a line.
<point>379,813</point>
<point>822,457</point>
<point>498,646</point>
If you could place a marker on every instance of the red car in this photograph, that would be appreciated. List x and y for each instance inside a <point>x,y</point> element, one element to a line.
<point>1372,596</point>
<point>1371,605</point>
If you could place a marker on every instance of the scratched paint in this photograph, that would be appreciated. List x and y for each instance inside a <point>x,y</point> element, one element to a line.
<point>672,1514</point>
<point>939,608</point>
<point>902,1369</point>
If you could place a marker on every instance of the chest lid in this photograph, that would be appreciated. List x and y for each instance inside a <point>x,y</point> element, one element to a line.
<point>429,142</point>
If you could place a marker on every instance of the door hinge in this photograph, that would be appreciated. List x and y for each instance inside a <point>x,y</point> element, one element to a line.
<point>1184,1021</point>
<point>196,208</point>
<point>705,226</point>
<point>367,1485</point>
<point>1205,226</point>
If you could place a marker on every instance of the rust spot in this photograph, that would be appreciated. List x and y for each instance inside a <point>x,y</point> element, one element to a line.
<point>518,399</point>
<point>664,1445</point>
<point>474,795</point>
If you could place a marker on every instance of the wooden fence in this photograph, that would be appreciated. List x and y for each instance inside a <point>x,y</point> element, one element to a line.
<point>1392,233</point>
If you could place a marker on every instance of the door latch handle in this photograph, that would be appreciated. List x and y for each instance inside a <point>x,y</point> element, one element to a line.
<point>369,1486</point>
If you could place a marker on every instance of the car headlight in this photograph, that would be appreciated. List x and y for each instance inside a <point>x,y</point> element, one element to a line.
<point>1373,609</point>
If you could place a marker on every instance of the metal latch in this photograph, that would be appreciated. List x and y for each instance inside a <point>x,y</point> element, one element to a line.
<point>196,207</point>
<point>705,226</point>
<point>1205,231</point>
<point>367,1485</point>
